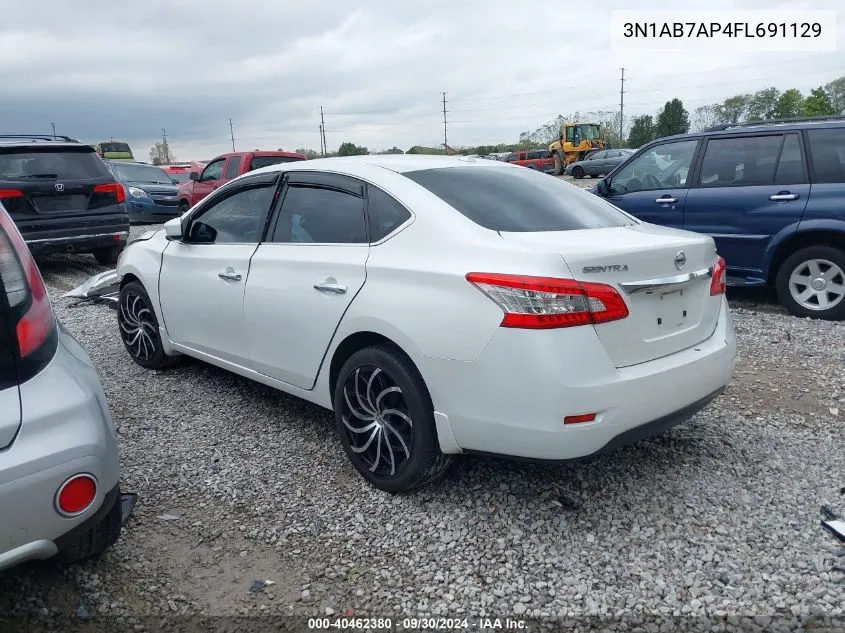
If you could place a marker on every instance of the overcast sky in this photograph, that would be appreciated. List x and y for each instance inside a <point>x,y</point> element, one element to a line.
<point>126,69</point>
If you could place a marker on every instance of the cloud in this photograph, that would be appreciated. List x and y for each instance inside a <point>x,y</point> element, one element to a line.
<point>126,70</point>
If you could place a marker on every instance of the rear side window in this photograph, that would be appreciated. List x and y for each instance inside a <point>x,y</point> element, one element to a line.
<point>51,163</point>
<point>740,161</point>
<point>232,167</point>
<point>385,213</point>
<point>314,215</point>
<point>518,200</point>
<point>827,148</point>
<point>258,162</point>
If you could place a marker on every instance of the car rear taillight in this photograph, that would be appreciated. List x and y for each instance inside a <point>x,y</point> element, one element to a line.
<point>547,302</point>
<point>719,280</point>
<point>5,194</point>
<point>32,314</point>
<point>112,188</point>
<point>76,495</point>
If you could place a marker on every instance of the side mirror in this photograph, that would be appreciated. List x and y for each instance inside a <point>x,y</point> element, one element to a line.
<point>194,175</point>
<point>602,187</point>
<point>173,228</point>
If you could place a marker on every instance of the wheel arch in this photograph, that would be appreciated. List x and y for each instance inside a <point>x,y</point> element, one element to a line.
<point>833,236</point>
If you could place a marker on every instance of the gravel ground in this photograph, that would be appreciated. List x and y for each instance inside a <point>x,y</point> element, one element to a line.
<point>238,482</point>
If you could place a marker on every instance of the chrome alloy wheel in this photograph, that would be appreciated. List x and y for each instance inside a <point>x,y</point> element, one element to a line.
<point>137,326</point>
<point>375,415</point>
<point>817,284</point>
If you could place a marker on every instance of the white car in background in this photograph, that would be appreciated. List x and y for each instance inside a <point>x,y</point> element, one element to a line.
<point>437,305</point>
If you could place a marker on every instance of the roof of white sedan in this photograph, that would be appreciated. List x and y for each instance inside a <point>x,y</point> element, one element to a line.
<point>394,162</point>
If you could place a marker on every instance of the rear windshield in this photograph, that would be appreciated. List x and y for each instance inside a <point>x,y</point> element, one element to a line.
<point>263,161</point>
<point>115,148</point>
<point>518,200</point>
<point>65,163</point>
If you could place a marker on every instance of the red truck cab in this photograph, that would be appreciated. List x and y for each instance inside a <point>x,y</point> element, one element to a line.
<point>539,159</point>
<point>225,167</point>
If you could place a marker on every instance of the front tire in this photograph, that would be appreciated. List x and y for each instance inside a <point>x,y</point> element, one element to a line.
<point>385,419</point>
<point>578,172</point>
<point>139,327</point>
<point>559,164</point>
<point>811,283</point>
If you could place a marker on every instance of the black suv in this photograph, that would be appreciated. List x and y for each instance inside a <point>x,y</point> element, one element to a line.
<point>62,196</point>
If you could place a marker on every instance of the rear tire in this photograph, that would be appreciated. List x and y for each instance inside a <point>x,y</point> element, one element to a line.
<point>385,419</point>
<point>107,256</point>
<point>183,207</point>
<point>577,172</point>
<point>812,278</point>
<point>138,326</point>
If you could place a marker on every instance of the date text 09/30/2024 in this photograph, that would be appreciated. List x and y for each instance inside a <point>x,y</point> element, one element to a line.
<point>416,624</point>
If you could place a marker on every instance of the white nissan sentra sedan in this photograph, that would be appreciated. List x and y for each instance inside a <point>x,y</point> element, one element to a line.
<point>437,305</point>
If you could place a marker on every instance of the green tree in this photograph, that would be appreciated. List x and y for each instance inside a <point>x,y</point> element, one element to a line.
<point>762,104</point>
<point>309,153</point>
<point>350,149</point>
<point>393,150</point>
<point>160,154</point>
<point>673,119</point>
<point>705,117</point>
<point>789,104</point>
<point>642,131</point>
<point>818,103</point>
<point>733,109</point>
<point>836,91</point>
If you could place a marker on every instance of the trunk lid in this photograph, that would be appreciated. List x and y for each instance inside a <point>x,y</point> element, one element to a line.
<point>670,306</point>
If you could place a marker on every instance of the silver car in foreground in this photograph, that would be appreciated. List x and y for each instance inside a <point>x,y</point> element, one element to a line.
<point>59,470</point>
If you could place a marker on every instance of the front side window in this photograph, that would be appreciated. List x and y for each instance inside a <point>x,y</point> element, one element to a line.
<point>236,219</point>
<point>741,161</point>
<point>518,200</point>
<point>316,215</point>
<point>659,167</point>
<point>213,170</point>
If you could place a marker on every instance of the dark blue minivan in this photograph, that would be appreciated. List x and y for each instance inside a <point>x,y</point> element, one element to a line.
<point>770,193</point>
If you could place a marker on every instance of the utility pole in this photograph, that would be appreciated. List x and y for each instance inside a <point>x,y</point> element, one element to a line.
<point>445,140</point>
<point>622,106</point>
<point>232,133</point>
<point>323,130</point>
<point>54,130</point>
<point>322,147</point>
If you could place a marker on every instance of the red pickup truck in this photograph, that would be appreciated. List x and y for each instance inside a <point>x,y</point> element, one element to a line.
<point>225,167</point>
<point>539,159</point>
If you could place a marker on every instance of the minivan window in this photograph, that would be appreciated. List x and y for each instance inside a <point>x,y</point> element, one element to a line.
<point>51,163</point>
<point>827,148</point>
<point>518,200</point>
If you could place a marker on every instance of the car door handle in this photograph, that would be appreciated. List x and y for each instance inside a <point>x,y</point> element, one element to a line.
<point>666,200</point>
<point>782,197</point>
<point>337,289</point>
<point>230,275</point>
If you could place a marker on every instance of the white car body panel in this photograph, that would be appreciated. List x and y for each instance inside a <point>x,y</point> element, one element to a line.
<point>494,389</point>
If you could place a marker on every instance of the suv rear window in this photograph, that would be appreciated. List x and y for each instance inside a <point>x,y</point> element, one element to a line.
<point>62,163</point>
<point>258,162</point>
<point>518,200</point>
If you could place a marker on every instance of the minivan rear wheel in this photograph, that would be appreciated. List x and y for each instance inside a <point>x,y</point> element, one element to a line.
<point>385,419</point>
<point>811,283</point>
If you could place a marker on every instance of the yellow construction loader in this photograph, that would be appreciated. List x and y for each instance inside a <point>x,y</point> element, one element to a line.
<point>575,142</point>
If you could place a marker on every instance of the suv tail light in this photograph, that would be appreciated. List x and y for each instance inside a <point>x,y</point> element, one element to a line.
<point>112,188</point>
<point>719,279</point>
<point>23,289</point>
<point>5,194</point>
<point>545,302</point>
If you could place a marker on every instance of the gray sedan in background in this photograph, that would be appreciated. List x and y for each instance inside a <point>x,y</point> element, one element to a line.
<point>598,164</point>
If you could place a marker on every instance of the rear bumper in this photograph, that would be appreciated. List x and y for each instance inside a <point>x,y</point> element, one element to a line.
<point>513,399</point>
<point>77,243</point>
<point>66,430</point>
